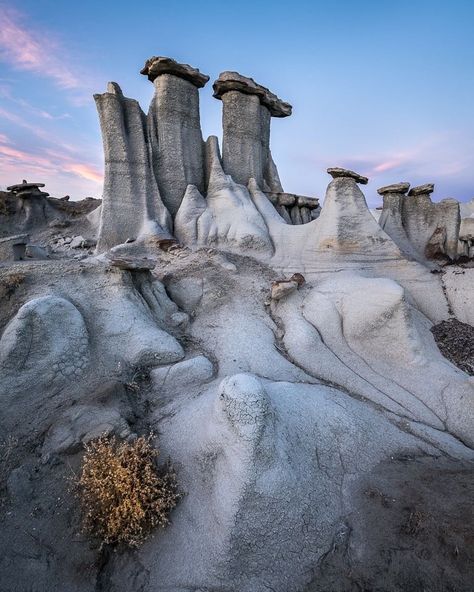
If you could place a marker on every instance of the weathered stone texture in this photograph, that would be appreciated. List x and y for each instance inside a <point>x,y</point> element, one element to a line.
<point>175,137</point>
<point>131,200</point>
<point>247,111</point>
<point>432,225</point>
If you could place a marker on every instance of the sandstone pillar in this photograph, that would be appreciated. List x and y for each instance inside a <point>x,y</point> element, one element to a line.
<point>391,218</point>
<point>174,128</point>
<point>433,228</point>
<point>131,203</point>
<point>247,111</point>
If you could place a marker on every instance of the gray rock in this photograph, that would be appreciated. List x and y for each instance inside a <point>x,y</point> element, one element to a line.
<point>36,252</point>
<point>285,214</point>
<point>194,371</point>
<point>422,189</point>
<point>157,65</point>
<point>81,424</point>
<point>391,221</point>
<point>308,202</point>
<point>402,188</point>
<point>286,199</point>
<point>131,203</point>
<point>247,111</point>
<point>305,214</point>
<point>228,81</point>
<point>175,138</point>
<point>13,248</point>
<point>283,288</point>
<point>131,263</point>
<point>295,215</point>
<point>434,224</point>
<point>24,187</point>
<point>337,172</point>
<point>77,242</point>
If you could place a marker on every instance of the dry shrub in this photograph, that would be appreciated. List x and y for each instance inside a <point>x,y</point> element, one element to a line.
<point>123,496</point>
<point>10,283</point>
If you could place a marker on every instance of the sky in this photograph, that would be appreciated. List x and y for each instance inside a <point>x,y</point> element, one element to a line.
<point>381,87</point>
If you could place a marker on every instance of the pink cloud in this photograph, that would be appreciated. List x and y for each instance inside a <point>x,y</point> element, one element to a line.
<point>13,160</point>
<point>85,171</point>
<point>24,49</point>
<point>388,165</point>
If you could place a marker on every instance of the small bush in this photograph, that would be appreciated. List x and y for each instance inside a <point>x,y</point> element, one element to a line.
<point>123,496</point>
<point>11,282</point>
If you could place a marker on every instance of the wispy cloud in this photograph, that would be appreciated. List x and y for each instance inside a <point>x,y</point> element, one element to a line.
<point>7,93</point>
<point>25,49</point>
<point>13,159</point>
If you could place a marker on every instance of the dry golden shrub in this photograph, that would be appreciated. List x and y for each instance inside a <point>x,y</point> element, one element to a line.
<point>123,496</point>
<point>10,282</point>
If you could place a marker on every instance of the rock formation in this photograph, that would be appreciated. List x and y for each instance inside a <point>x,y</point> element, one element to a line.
<point>285,355</point>
<point>433,228</point>
<point>391,219</point>
<point>247,110</point>
<point>131,202</point>
<point>174,128</point>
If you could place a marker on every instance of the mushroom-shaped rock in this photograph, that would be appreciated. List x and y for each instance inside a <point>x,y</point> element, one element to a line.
<point>433,228</point>
<point>157,65</point>
<point>247,110</point>
<point>422,189</point>
<point>391,218</point>
<point>402,188</point>
<point>174,129</point>
<point>228,81</point>
<point>337,172</point>
<point>24,187</point>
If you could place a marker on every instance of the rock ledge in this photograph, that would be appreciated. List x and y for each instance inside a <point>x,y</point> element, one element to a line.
<point>157,65</point>
<point>234,81</point>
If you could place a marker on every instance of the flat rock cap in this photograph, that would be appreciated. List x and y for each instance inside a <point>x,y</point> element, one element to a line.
<point>336,172</point>
<point>234,81</point>
<point>157,65</point>
<point>402,187</point>
<point>24,187</point>
<point>422,189</point>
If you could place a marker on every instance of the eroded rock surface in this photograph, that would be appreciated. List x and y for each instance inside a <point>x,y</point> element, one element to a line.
<point>282,353</point>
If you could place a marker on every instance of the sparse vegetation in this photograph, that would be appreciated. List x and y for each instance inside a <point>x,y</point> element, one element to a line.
<point>10,282</point>
<point>122,493</point>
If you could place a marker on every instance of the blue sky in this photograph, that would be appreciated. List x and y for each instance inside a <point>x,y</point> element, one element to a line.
<point>385,88</point>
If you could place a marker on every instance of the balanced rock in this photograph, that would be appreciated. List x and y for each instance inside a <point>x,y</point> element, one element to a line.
<point>402,188</point>
<point>234,81</point>
<point>26,188</point>
<point>337,172</point>
<point>422,189</point>
<point>157,65</point>
<point>247,111</point>
<point>174,129</point>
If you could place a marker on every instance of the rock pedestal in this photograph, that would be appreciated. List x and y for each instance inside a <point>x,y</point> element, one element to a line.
<point>32,202</point>
<point>131,205</point>
<point>247,110</point>
<point>174,128</point>
<point>391,218</point>
<point>432,228</point>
